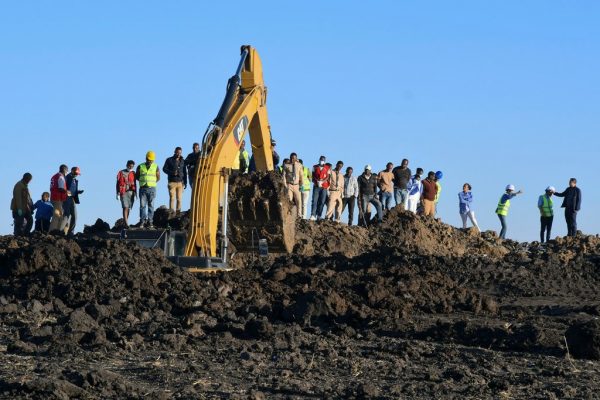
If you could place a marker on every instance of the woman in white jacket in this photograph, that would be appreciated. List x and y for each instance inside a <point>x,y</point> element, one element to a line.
<point>415,188</point>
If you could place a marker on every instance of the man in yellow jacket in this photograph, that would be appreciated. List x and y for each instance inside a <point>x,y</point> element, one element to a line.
<point>148,175</point>
<point>21,206</point>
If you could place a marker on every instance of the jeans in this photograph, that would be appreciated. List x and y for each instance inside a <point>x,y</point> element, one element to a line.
<point>364,217</point>
<point>350,202</point>
<point>147,195</point>
<point>318,201</point>
<point>571,218</point>
<point>69,216</point>
<point>546,223</point>
<point>386,200</point>
<point>22,223</point>
<point>504,226</point>
<point>401,197</point>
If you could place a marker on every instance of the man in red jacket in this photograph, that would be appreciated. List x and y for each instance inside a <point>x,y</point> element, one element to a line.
<point>320,177</point>
<point>126,190</point>
<point>58,195</point>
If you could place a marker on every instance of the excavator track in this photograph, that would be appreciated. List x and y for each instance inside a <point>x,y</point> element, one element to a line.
<point>259,208</point>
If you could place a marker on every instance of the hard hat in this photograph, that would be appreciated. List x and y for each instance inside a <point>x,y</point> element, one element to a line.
<point>510,187</point>
<point>439,175</point>
<point>550,189</point>
<point>77,170</point>
<point>368,167</point>
<point>150,155</point>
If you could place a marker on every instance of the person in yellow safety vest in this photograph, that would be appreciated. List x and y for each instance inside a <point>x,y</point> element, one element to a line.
<point>305,188</point>
<point>438,176</point>
<point>147,174</point>
<point>242,159</point>
<point>545,205</point>
<point>503,206</point>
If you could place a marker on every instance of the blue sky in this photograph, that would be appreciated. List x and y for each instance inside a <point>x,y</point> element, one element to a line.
<point>491,93</point>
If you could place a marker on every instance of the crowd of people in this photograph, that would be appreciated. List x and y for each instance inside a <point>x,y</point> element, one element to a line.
<point>334,190</point>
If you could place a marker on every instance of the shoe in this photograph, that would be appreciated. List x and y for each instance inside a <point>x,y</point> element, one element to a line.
<point>150,226</point>
<point>312,218</point>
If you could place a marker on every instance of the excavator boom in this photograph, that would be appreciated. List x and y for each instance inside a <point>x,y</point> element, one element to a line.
<point>243,111</point>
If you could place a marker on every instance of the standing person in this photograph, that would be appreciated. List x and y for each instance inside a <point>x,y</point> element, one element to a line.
<point>305,188</point>
<point>402,176</point>
<point>320,177</point>
<point>545,204</point>
<point>386,186</point>
<point>465,203</point>
<point>438,177</point>
<point>148,176</point>
<point>503,206</point>
<point>293,180</point>
<point>190,164</point>
<point>174,168</point>
<point>367,188</point>
<point>43,213</point>
<point>336,191</point>
<point>126,190</point>
<point>350,194</point>
<point>22,206</point>
<point>428,195</point>
<point>415,190</point>
<point>58,195</point>
<point>572,204</point>
<point>69,206</point>
<point>243,158</point>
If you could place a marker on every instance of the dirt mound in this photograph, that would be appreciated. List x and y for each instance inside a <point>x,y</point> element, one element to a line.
<point>409,308</point>
<point>428,236</point>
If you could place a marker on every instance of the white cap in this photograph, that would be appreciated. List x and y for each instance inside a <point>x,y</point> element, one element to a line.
<point>368,167</point>
<point>510,187</point>
<point>550,189</point>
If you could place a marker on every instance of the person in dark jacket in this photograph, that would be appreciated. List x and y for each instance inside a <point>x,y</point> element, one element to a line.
<point>402,176</point>
<point>190,163</point>
<point>69,206</point>
<point>572,204</point>
<point>43,213</point>
<point>177,176</point>
<point>22,206</point>
<point>367,189</point>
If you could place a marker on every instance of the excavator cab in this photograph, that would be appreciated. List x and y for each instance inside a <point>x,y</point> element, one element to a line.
<point>248,209</point>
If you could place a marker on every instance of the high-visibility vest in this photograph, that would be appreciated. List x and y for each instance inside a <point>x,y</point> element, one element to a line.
<point>547,204</point>
<point>438,192</point>
<point>148,175</point>
<point>306,178</point>
<point>502,208</point>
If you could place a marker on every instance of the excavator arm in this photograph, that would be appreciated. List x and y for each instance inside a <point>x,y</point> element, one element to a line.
<point>243,111</point>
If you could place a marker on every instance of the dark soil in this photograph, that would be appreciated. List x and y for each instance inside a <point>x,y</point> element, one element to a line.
<point>409,308</point>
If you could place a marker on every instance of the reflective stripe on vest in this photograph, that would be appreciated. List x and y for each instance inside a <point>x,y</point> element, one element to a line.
<point>502,209</point>
<point>148,175</point>
<point>547,204</point>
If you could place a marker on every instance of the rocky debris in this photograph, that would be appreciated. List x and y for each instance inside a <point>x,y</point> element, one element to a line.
<point>410,307</point>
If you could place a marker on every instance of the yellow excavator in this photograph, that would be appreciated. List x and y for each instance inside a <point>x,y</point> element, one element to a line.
<point>254,210</point>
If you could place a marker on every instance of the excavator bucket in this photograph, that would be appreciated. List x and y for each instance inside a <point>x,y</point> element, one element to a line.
<point>259,208</point>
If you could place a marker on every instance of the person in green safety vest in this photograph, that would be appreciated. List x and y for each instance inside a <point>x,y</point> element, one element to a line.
<point>545,205</point>
<point>147,174</point>
<point>305,188</point>
<point>503,206</point>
